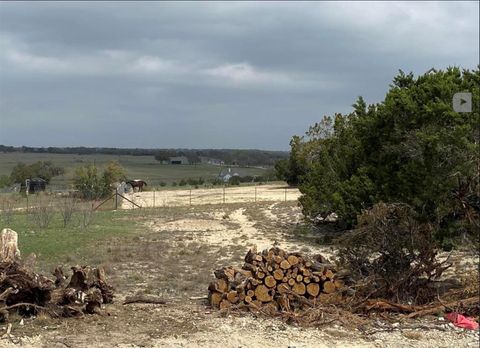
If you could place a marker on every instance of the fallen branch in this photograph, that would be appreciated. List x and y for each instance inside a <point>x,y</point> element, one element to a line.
<point>443,307</point>
<point>25,304</point>
<point>387,306</point>
<point>193,298</point>
<point>416,311</point>
<point>144,299</point>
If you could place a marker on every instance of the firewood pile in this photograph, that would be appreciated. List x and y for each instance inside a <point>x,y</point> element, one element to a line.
<point>276,280</point>
<point>27,293</point>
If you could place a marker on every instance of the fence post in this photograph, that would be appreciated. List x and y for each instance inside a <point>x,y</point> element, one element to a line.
<point>224,194</point>
<point>190,196</point>
<point>116,199</point>
<point>255,193</point>
<point>285,194</point>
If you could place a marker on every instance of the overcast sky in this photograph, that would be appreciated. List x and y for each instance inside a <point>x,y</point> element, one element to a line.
<point>210,75</point>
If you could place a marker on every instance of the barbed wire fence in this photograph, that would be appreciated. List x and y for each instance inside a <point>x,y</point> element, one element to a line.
<point>225,195</point>
<point>12,202</point>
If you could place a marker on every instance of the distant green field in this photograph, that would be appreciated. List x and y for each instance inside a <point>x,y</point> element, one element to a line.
<point>137,167</point>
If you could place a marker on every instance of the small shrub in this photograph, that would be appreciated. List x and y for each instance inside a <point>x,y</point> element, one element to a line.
<point>42,210</point>
<point>234,180</point>
<point>87,210</point>
<point>8,209</point>
<point>5,181</point>
<point>67,208</point>
<point>93,185</point>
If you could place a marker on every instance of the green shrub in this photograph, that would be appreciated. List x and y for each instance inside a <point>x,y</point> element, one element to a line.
<point>412,148</point>
<point>5,181</point>
<point>93,185</point>
<point>234,180</point>
<point>42,169</point>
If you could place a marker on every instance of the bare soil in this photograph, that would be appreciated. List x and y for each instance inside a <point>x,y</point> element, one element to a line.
<point>174,257</point>
<point>217,195</point>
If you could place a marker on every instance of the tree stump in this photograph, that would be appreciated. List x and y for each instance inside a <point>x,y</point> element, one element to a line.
<point>9,245</point>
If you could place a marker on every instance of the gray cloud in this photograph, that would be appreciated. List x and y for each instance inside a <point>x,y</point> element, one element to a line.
<point>250,75</point>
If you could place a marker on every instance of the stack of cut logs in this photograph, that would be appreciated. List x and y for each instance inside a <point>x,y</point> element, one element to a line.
<point>277,279</point>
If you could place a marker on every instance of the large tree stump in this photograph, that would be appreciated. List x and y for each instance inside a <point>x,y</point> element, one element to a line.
<point>9,245</point>
<point>26,292</point>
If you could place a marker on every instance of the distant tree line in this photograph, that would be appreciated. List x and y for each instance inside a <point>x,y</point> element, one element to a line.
<point>79,150</point>
<point>412,149</point>
<point>228,156</point>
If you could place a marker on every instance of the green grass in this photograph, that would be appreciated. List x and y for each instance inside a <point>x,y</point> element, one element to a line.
<point>56,245</point>
<point>141,167</point>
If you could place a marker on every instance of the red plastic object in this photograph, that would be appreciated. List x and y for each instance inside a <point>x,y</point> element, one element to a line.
<point>462,321</point>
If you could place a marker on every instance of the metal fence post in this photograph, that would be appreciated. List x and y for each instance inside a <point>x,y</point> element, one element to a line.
<point>116,199</point>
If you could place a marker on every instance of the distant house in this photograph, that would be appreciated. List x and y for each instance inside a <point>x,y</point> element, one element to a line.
<point>34,185</point>
<point>215,162</point>
<point>179,160</point>
<point>226,174</point>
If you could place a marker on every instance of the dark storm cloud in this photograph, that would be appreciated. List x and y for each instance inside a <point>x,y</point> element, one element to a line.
<point>145,74</point>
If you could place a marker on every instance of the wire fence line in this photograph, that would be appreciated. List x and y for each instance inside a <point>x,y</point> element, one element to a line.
<point>16,202</point>
<point>224,195</point>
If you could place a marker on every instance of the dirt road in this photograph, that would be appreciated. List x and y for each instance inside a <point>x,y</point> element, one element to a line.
<point>174,256</point>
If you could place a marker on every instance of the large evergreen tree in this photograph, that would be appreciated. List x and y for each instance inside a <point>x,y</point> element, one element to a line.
<point>411,148</point>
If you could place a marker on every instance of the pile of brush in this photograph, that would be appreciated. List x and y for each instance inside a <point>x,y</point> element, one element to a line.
<point>278,280</point>
<point>26,292</point>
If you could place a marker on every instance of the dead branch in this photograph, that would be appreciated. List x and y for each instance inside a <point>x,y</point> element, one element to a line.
<point>416,311</point>
<point>144,299</point>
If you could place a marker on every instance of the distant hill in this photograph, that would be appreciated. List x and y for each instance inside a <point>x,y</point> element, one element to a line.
<point>241,157</point>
